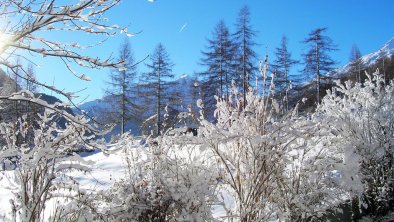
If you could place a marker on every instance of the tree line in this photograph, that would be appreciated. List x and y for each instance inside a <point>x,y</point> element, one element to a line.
<point>228,62</point>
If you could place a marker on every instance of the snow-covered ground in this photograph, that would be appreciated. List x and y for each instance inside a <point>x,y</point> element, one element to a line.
<point>105,170</point>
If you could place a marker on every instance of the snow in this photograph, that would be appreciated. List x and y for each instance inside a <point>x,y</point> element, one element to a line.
<point>85,77</point>
<point>386,51</point>
<point>105,170</point>
<point>219,167</point>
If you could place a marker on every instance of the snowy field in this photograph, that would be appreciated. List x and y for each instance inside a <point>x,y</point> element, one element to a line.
<point>105,170</point>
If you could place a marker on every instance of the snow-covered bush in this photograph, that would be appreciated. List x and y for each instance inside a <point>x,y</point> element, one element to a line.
<point>40,174</point>
<point>307,187</point>
<point>271,165</point>
<point>360,119</point>
<point>164,183</point>
<point>248,156</point>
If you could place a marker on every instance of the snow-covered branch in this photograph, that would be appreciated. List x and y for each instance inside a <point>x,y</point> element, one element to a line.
<point>26,22</point>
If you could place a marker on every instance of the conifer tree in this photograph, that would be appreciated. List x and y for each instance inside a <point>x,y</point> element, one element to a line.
<point>157,81</point>
<point>220,66</point>
<point>282,65</point>
<point>316,59</point>
<point>121,90</point>
<point>356,64</point>
<point>247,57</point>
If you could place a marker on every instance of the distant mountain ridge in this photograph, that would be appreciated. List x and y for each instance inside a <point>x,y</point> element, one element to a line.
<point>368,60</point>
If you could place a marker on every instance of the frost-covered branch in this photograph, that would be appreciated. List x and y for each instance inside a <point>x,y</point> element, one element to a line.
<point>41,163</point>
<point>26,23</point>
<point>57,108</point>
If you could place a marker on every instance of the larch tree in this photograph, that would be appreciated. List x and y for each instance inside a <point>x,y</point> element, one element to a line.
<point>356,63</point>
<point>220,66</point>
<point>121,90</point>
<point>247,57</point>
<point>282,65</point>
<point>316,59</point>
<point>157,82</point>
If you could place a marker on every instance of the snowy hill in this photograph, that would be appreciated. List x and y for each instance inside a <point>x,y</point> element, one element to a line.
<point>370,59</point>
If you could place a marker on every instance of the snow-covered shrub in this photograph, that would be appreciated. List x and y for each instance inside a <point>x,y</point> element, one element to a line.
<point>307,187</point>
<point>272,165</point>
<point>162,184</point>
<point>40,174</point>
<point>248,156</point>
<point>360,119</point>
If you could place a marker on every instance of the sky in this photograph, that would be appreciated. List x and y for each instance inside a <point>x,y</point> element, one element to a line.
<point>183,27</point>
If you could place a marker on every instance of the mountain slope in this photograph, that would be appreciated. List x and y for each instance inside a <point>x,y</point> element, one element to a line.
<point>371,62</point>
<point>368,60</point>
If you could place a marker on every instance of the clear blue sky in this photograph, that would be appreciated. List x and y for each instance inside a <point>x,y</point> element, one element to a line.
<point>369,24</point>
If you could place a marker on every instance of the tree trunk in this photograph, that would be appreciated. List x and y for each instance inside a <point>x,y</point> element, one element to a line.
<point>317,71</point>
<point>158,101</point>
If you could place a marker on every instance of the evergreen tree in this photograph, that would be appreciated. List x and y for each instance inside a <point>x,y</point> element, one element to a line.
<point>220,66</point>
<point>121,90</point>
<point>282,65</point>
<point>247,57</point>
<point>356,64</point>
<point>316,59</point>
<point>156,82</point>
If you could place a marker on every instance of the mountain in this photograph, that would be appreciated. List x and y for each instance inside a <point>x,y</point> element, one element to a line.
<point>92,108</point>
<point>368,60</point>
<point>7,85</point>
<point>371,62</point>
